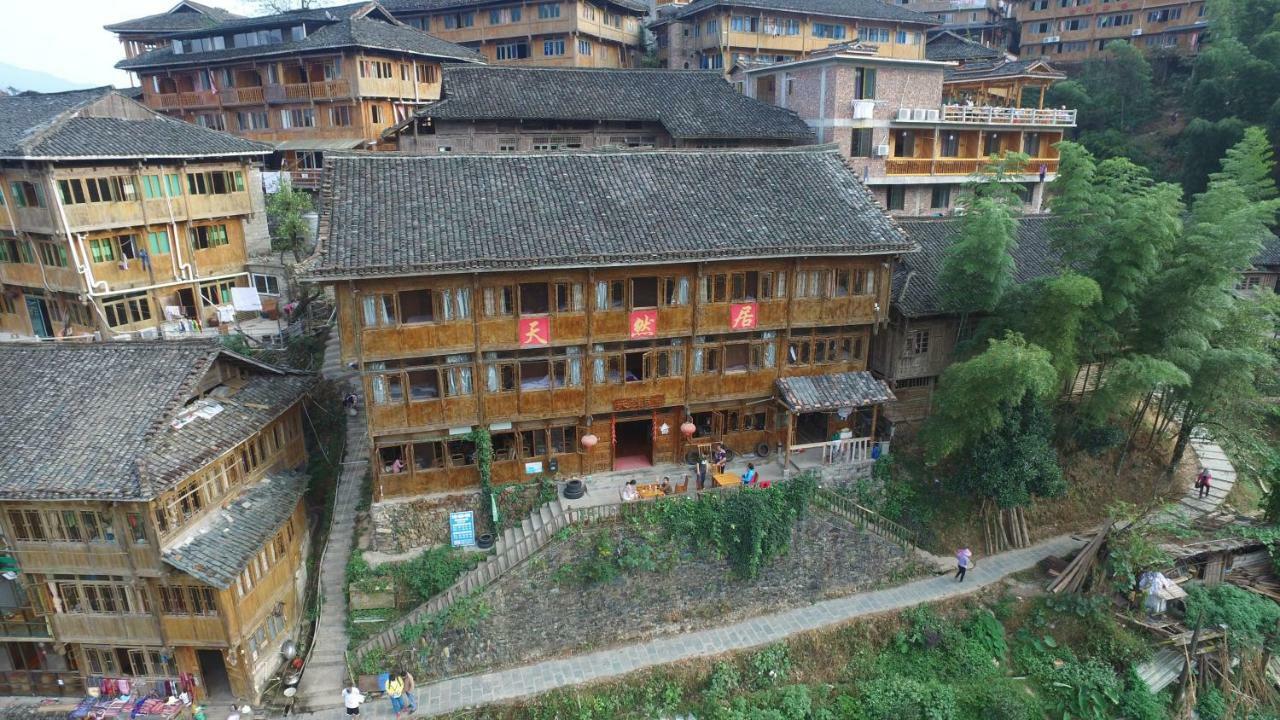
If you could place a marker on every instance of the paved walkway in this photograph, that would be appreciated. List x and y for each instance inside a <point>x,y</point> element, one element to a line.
<point>326,668</point>
<point>1207,454</point>
<point>461,693</point>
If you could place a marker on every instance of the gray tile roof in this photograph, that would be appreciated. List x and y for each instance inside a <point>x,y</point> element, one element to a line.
<point>947,45</point>
<point>389,215</point>
<point>351,32</point>
<point>195,16</point>
<point>1270,253</point>
<point>982,70</point>
<point>66,125</point>
<point>824,393</point>
<point>689,104</point>
<point>92,421</point>
<point>857,9</point>
<point>421,6</point>
<point>915,278</point>
<point>218,548</point>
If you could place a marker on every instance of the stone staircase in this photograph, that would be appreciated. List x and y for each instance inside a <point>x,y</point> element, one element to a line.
<point>873,522</point>
<point>516,545</point>
<point>325,672</point>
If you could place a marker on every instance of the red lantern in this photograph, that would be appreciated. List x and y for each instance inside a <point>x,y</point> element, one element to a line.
<point>688,429</point>
<point>589,440</point>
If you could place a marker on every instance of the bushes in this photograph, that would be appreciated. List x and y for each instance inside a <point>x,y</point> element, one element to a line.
<point>1250,619</point>
<point>748,528</point>
<point>433,571</point>
<point>897,697</point>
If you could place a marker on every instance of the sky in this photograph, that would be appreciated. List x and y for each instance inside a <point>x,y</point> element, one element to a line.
<point>65,37</point>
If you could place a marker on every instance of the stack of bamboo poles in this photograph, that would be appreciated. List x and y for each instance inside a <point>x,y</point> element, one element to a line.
<point>1074,575</point>
<point>1004,529</point>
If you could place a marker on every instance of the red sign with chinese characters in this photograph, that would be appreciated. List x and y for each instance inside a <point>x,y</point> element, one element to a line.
<point>643,323</point>
<point>534,332</point>
<point>743,316</point>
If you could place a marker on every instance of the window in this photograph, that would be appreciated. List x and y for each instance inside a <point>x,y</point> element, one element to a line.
<point>746,286</point>
<point>158,242</point>
<point>216,293</point>
<point>106,598</point>
<point>417,306</point>
<point>908,38</point>
<point>453,21</point>
<point>204,237</point>
<point>873,34</point>
<point>917,343</point>
<point>213,121</point>
<point>635,362</point>
<point>28,525</point>
<point>498,301</point>
<point>825,30</point>
<point>897,197</point>
<point>428,455</point>
<point>864,83</point>
<point>584,46</point>
<point>26,194</point>
<point>218,182</point>
<point>1040,27</point>
<point>1113,20</point>
<point>711,62</point>
<point>860,144</point>
<point>547,11</point>
<point>513,50</point>
<point>714,355</point>
<point>950,145</point>
<point>120,188</point>
<point>782,26</point>
<point>52,255</point>
<point>16,251</point>
<point>297,118</point>
<point>103,249</point>
<point>552,47</point>
<point>378,69</point>
<point>256,120</point>
<point>941,198</point>
<point>266,284</point>
<point>745,23</point>
<point>127,310</point>
<point>1031,144</point>
<point>825,346</point>
<point>1076,24</point>
<point>340,116</point>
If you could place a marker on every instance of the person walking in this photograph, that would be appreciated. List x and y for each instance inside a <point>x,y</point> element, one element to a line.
<point>395,691</point>
<point>964,561</point>
<point>410,685</point>
<point>1202,483</point>
<point>351,699</point>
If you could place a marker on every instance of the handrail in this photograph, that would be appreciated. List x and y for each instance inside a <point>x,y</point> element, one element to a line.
<point>866,518</point>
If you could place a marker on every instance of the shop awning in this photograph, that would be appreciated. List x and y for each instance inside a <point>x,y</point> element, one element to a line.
<point>826,393</point>
<point>320,144</point>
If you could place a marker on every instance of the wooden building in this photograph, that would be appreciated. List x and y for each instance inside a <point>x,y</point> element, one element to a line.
<point>617,295</point>
<point>918,130</point>
<point>548,33</point>
<point>505,109</point>
<point>1264,272</point>
<point>1072,31</point>
<point>719,34</point>
<point>921,337</point>
<point>119,221</point>
<point>306,81</point>
<point>154,514</point>
<point>151,32</point>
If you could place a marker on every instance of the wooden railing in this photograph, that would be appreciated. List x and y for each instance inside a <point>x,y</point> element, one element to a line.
<point>243,96</point>
<point>848,450</point>
<point>990,115</point>
<point>955,166</point>
<point>864,518</point>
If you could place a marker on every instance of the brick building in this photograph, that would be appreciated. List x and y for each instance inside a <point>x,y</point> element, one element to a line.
<point>504,109</point>
<point>917,130</point>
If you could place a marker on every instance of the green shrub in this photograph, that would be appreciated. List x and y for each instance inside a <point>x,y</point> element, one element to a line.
<point>896,697</point>
<point>724,681</point>
<point>770,666</point>
<point>1002,699</point>
<point>434,570</point>
<point>1210,704</point>
<point>1138,702</point>
<point>1250,619</point>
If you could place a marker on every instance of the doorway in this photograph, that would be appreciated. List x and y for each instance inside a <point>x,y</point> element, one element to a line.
<point>812,428</point>
<point>187,301</point>
<point>634,448</point>
<point>213,670</point>
<point>39,312</point>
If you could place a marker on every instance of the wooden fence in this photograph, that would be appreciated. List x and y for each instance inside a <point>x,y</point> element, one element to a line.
<point>864,518</point>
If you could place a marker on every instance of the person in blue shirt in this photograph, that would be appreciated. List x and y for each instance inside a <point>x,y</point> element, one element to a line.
<point>749,476</point>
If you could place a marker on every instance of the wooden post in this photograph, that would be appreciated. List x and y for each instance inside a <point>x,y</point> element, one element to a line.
<point>875,415</point>
<point>1042,89</point>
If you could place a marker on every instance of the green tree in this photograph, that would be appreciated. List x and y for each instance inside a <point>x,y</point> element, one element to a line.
<point>1113,95</point>
<point>1049,313</point>
<point>1075,201</point>
<point>1016,461</point>
<point>974,396</point>
<point>290,232</point>
<point>1250,164</point>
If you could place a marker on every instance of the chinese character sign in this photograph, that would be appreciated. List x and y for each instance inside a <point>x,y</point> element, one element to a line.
<point>644,324</point>
<point>742,316</point>
<point>534,332</point>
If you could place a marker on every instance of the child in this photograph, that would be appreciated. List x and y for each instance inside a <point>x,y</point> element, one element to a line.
<point>749,476</point>
<point>351,699</point>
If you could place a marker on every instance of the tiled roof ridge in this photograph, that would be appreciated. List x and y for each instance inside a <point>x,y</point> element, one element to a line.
<point>698,5</point>
<point>629,71</point>
<point>37,132</point>
<point>170,408</point>
<point>603,151</point>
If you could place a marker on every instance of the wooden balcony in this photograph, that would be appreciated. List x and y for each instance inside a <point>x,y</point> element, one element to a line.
<point>306,179</point>
<point>106,629</point>
<point>988,115</point>
<point>258,95</point>
<point>242,96</point>
<point>49,683</point>
<point>955,166</point>
<point>301,92</point>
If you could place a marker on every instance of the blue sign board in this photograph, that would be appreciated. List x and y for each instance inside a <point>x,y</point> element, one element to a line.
<point>462,528</point>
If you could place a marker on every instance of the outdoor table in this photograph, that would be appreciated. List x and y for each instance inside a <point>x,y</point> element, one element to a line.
<point>726,479</point>
<point>651,490</point>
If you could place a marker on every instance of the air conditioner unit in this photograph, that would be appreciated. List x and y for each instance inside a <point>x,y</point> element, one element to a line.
<point>1135,32</point>
<point>1050,40</point>
<point>904,113</point>
<point>919,114</point>
<point>882,150</point>
<point>931,115</point>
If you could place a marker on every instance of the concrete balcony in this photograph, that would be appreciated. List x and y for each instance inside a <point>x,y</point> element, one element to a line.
<point>987,115</point>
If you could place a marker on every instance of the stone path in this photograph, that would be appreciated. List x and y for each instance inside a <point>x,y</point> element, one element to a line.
<point>326,670</point>
<point>1210,455</point>
<point>461,693</point>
